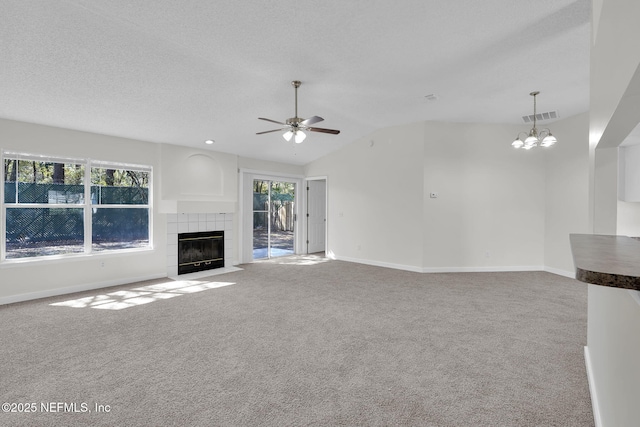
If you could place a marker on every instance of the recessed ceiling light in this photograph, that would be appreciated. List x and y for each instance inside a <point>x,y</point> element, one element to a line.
<point>209,141</point>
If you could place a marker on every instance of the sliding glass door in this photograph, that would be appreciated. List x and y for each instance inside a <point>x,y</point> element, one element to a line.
<point>273,218</point>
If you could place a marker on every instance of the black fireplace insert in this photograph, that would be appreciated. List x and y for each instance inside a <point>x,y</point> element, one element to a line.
<point>200,251</point>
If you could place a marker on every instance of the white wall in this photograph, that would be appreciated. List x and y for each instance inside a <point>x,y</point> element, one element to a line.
<point>628,218</point>
<point>605,190</point>
<point>489,213</point>
<point>270,167</point>
<point>629,173</point>
<point>613,349</point>
<point>628,206</point>
<point>192,174</point>
<point>375,190</point>
<point>615,55</point>
<point>567,192</point>
<point>614,316</point>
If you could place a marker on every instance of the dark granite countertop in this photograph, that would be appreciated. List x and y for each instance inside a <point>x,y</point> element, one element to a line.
<point>607,260</point>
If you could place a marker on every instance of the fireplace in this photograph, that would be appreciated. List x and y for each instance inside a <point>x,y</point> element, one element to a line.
<point>200,251</point>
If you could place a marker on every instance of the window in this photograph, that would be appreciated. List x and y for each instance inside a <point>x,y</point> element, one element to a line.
<point>120,208</point>
<point>55,206</point>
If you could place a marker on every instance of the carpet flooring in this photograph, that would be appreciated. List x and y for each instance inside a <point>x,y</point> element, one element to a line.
<point>302,341</point>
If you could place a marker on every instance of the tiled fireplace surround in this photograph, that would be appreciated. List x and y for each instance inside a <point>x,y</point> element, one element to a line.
<point>196,222</point>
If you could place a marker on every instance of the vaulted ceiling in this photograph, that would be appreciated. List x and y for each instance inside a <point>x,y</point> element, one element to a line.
<point>181,72</point>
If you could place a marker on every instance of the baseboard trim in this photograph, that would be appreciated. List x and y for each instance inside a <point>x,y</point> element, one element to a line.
<point>491,269</point>
<point>380,264</point>
<point>415,269</point>
<point>595,407</point>
<point>565,273</point>
<point>73,289</point>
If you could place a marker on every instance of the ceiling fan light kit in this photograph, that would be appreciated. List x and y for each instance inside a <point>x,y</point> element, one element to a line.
<point>295,126</point>
<point>544,138</point>
<point>300,136</point>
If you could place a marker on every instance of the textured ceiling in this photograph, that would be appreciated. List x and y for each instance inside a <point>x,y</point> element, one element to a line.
<point>181,72</point>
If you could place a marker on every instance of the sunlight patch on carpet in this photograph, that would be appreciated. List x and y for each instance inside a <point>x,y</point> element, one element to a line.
<point>141,295</point>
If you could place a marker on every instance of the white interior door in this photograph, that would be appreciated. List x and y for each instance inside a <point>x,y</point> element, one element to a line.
<point>316,215</point>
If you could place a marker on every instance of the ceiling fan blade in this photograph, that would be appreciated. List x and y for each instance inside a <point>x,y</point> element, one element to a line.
<point>272,121</point>
<point>269,131</point>
<point>311,120</point>
<point>331,131</point>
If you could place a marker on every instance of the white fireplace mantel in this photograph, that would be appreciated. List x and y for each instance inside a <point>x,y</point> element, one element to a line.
<point>194,206</point>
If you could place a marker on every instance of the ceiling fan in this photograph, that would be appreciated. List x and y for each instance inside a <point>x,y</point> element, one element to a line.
<point>295,126</point>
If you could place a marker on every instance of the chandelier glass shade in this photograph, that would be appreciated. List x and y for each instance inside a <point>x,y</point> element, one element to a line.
<point>534,138</point>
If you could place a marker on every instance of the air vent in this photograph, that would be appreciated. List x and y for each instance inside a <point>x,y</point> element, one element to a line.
<point>549,115</point>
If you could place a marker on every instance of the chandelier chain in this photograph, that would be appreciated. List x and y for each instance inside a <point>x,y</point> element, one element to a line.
<point>534,112</point>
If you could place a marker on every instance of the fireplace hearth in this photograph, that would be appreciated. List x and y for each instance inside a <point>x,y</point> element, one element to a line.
<point>200,251</point>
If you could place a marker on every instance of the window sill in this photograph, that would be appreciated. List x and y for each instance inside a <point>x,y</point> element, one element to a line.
<point>56,259</point>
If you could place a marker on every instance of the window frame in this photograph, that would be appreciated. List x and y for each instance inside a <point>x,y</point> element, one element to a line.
<point>87,205</point>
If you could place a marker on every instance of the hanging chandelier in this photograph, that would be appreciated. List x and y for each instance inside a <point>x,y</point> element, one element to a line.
<point>544,138</point>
